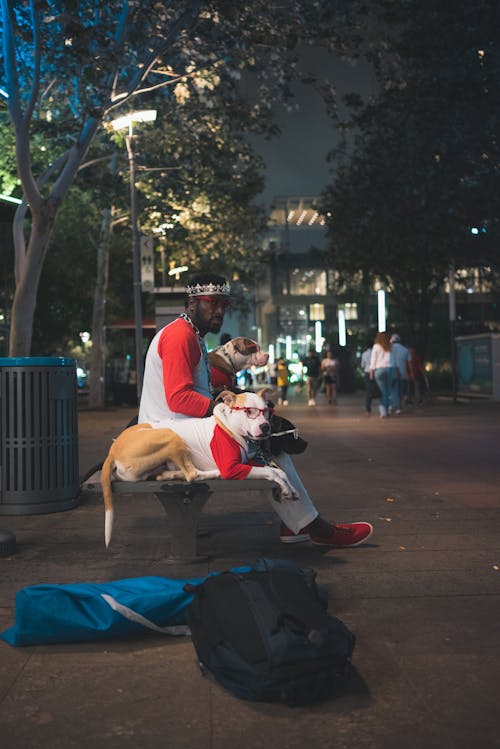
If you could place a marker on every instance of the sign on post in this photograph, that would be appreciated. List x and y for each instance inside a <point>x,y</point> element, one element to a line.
<point>147,264</point>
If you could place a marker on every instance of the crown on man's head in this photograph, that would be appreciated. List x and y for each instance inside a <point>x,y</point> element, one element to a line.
<point>208,289</point>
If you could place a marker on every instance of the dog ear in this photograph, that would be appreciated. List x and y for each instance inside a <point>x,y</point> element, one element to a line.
<point>251,347</point>
<point>277,423</point>
<point>266,393</point>
<point>246,346</point>
<point>284,424</point>
<point>226,397</point>
<point>236,344</point>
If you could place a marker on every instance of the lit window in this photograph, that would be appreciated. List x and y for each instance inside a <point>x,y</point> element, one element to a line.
<point>316,312</point>
<point>351,311</point>
<point>312,282</point>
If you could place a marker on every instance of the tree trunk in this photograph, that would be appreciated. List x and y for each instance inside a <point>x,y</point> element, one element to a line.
<point>24,302</point>
<point>98,352</point>
<point>416,309</point>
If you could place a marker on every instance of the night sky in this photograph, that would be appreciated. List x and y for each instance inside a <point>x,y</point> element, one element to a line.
<point>296,160</point>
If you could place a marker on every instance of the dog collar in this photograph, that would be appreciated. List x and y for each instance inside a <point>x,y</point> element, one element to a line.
<point>226,356</point>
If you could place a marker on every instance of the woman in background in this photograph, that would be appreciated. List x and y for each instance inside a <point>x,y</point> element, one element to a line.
<point>382,371</point>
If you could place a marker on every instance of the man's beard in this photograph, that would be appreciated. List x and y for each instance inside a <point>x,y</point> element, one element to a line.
<point>215,327</point>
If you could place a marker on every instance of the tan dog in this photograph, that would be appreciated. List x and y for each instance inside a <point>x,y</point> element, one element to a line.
<point>201,448</point>
<point>232,357</point>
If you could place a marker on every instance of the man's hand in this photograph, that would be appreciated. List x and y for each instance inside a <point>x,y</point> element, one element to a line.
<point>219,396</point>
<point>210,409</point>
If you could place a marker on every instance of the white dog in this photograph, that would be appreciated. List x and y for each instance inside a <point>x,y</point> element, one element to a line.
<point>202,448</point>
<point>232,357</point>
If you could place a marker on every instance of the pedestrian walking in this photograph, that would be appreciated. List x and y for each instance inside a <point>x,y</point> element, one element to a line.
<point>416,378</point>
<point>330,369</point>
<point>370,385</point>
<point>271,373</point>
<point>400,357</point>
<point>382,371</point>
<point>312,365</point>
<point>282,379</point>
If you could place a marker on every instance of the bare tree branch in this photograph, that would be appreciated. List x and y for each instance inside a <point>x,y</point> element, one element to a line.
<point>14,102</point>
<point>74,158</point>
<point>119,39</point>
<point>36,71</point>
<point>20,215</point>
<point>159,48</point>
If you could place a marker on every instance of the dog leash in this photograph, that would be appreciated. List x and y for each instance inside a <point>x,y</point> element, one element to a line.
<point>295,433</point>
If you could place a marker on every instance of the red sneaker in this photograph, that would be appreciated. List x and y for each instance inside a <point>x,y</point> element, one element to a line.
<point>345,534</point>
<point>289,537</point>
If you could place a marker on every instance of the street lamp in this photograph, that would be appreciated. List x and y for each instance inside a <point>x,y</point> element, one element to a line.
<point>453,316</point>
<point>177,271</point>
<point>382,313</point>
<point>127,121</point>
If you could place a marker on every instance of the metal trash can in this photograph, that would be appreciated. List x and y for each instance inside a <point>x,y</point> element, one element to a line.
<point>38,435</point>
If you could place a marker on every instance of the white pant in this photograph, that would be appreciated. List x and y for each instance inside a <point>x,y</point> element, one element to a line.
<point>295,513</point>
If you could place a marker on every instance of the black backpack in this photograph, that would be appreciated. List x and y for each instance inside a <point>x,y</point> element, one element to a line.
<point>266,635</point>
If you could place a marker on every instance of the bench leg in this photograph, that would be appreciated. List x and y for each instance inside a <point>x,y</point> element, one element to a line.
<point>183,505</point>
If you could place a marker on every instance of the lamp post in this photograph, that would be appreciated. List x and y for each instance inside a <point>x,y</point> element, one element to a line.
<point>145,115</point>
<point>453,316</point>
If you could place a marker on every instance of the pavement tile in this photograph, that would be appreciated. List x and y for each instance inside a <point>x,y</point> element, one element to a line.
<point>422,596</point>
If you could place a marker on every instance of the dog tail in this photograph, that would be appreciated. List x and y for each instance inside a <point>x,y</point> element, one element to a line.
<point>107,470</point>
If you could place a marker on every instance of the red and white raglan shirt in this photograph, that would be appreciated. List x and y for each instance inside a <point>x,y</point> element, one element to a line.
<point>176,379</point>
<point>176,376</point>
<point>211,446</point>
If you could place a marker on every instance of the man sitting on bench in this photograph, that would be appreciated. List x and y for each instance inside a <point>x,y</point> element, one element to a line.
<point>177,384</point>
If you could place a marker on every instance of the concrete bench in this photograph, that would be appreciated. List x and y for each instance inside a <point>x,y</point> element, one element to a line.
<point>183,503</point>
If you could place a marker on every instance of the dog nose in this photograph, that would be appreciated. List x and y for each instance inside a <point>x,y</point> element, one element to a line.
<point>265,428</point>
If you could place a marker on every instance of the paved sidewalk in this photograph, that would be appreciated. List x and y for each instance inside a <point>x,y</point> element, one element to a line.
<point>422,597</point>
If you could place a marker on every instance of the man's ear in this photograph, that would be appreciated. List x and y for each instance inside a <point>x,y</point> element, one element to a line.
<point>191,305</point>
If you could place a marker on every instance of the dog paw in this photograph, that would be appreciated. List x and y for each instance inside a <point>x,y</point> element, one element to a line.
<point>170,476</point>
<point>287,490</point>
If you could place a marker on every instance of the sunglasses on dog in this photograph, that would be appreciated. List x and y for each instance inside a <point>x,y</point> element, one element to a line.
<point>215,301</point>
<point>253,412</point>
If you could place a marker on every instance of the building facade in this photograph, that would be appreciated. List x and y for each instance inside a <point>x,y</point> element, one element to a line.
<point>303,304</point>
<point>299,308</point>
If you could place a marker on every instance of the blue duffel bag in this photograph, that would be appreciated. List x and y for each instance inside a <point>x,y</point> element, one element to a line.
<point>47,614</point>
